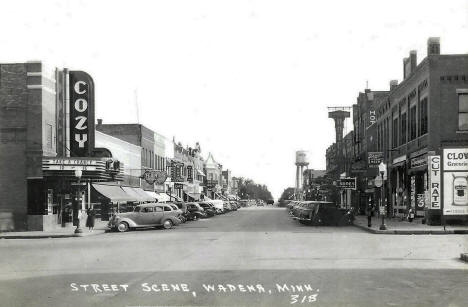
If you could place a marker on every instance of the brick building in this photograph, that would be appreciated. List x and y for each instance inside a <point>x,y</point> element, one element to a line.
<point>425,113</point>
<point>46,150</point>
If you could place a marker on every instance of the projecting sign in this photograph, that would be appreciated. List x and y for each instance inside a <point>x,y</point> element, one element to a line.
<point>434,182</point>
<point>152,176</point>
<point>178,186</point>
<point>347,183</point>
<point>374,159</point>
<point>189,173</point>
<point>81,90</point>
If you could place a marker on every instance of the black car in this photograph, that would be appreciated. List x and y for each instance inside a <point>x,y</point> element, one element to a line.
<point>208,209</point>
<point>195,212</point>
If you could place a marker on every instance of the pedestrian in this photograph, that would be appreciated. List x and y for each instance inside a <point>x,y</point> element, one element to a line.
<point>90,219</point>
<point>411,215</point>
<point>369,213</point>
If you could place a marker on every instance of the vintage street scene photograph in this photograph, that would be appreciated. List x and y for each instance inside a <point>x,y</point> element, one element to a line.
<point>227,153</point>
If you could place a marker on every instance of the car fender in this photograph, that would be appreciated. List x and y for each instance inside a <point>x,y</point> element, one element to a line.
<point>173,219</point>
<point>129,221</point>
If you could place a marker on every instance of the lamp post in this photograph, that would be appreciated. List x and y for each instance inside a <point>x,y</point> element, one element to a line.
<point>382,170</point>
<point>78,174</point>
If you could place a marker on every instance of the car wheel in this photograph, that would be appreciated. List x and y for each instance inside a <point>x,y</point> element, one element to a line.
<point>122,227</point>
<point>167,224</point>
<point>195,217</point>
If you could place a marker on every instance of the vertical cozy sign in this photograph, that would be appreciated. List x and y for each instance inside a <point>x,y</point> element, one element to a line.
<point>81,91</point>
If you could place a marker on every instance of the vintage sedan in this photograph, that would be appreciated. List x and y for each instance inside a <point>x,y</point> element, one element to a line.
<point>322,213</point>
<point>145,215</point>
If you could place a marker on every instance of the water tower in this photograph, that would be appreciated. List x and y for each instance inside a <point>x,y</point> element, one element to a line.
<point>301,161</point>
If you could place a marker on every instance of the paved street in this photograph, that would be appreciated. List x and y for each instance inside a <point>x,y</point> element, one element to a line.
<point>252,257</point>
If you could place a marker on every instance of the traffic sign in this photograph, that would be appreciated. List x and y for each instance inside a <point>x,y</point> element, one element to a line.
<point>378,181</point>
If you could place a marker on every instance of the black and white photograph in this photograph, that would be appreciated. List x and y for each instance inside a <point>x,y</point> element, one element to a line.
<point>233,153</point>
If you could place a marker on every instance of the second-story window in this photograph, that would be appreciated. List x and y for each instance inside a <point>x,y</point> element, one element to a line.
<point>423,117</point>
<point>395,133</point>
<point>403,128</point>
<point>412,123</point>
<point>463,111</point>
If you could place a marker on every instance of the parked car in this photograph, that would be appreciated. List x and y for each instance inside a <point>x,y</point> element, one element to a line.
<point>208,208</point>
<point>195,212</point>
<point>145,215</point>
<point>233,205</point>
<point>180,213</point>
<point>322,213</point>
<point>218,204</point>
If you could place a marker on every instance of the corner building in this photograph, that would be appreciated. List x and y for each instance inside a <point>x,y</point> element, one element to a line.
<point>424,114</point>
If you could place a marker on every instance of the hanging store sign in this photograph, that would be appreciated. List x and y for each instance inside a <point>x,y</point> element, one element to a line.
<point>189,173</point>
<point>399,160</point>
<point>81,91</point>
<point>347,183</point>
<point>434,182</point>
<point>374,159</point>
<point>153,176</point>
<point>178,186</point>
<point>418,161</point>
<point>455,181</point>
<point>372,116</point>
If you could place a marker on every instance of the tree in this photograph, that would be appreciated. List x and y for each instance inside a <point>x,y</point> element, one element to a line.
<point>288,194</point>
<point>248,189</point>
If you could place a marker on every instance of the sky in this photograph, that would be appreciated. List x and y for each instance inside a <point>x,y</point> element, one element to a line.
<point>249,80</point>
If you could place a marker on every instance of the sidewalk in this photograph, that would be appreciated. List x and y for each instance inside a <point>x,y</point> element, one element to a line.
<point>66,232</point>
<point>397,226</point>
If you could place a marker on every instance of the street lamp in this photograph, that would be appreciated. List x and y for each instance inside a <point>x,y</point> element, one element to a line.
<point>78,174</point>
<point>382,170</point>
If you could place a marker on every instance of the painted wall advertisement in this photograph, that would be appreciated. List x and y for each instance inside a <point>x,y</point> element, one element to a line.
<point>434,182</point>
<point>455,166</point>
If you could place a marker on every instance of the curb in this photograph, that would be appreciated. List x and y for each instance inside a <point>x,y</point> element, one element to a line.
<point>47,236</point>
<point>412,232</point>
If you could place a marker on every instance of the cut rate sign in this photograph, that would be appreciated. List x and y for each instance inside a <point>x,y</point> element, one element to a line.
<point>434,181</point>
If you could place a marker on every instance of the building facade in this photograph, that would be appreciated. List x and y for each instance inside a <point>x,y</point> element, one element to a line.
<point>422,119</point>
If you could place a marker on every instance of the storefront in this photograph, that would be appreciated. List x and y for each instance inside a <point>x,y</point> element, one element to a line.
<point>66,188</point>
<point>418,183</point>
<point>399,189</point>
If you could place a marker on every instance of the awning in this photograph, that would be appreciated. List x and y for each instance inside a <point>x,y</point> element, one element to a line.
<point>160,197</point>
<point>113,192</point>
<point>143,194</point>
<point>173,197</point>
<point>195,196</point>
<point>132,193</point>
<point>201,173</point>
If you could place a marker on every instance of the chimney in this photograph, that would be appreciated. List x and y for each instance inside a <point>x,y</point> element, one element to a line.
<point>433,46</point>
<point>409,64</point>
<point>413,60</point>
<point>393,84</point>
<point>406,71</point>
